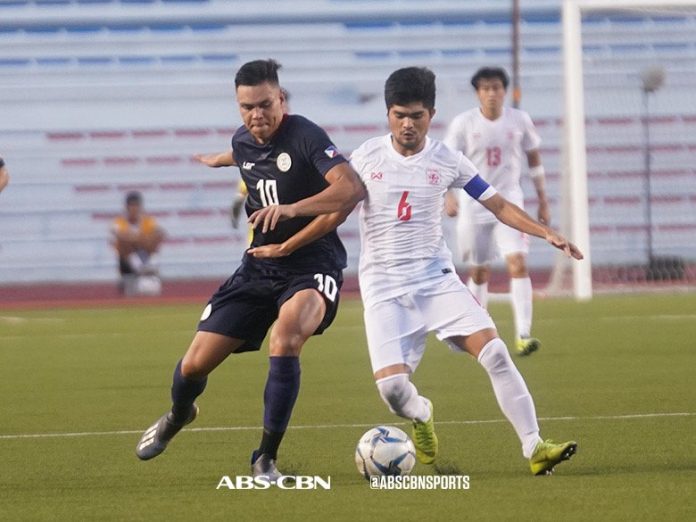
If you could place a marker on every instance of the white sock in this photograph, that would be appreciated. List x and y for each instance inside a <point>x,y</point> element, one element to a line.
<point>402,397</point>
<point>521,295</point>
<point>511,391</point>
<point>480,292</point>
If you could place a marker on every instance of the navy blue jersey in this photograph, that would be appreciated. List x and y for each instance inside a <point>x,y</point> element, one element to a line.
<point>290,167</point>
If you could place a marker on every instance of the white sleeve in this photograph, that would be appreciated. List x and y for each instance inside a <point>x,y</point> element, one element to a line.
<point>466,171</point>
<point>531,139</point>
<point>357,161</point>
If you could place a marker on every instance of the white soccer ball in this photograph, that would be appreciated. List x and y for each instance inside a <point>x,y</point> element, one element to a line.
<point>385,450</point>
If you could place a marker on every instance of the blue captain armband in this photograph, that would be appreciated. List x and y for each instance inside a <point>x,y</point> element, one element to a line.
<point>476,186</point>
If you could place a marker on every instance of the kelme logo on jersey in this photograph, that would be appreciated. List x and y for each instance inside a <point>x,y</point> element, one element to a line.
<point>331,152</point>
<point>284,162</point>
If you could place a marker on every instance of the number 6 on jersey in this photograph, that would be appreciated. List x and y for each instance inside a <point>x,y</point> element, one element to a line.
<point>403,211</point>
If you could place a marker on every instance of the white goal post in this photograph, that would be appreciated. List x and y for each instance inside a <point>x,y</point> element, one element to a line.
<point>575,179</point>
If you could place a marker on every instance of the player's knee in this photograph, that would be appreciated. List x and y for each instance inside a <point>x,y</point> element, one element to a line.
<point>394,391</point>
<point>517,265</point>
<point>286,345</point>
<point>192,369</point>
<point>479,274</point>
<point>494,356</point>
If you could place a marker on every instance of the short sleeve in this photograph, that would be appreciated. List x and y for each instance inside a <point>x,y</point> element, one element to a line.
<point>470,180</point>
<point>323,154</point>
<point>531,139</point>
<point>357,161</point>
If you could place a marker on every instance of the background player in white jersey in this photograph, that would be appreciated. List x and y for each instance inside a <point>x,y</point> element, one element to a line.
<point>498,140</point>
<point>407,278</point>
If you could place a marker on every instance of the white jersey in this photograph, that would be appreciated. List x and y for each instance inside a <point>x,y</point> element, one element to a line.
<point>498,148</point>
<point>402,244</point>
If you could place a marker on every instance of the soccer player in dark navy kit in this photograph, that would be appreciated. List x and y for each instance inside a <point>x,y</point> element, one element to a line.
<point>291,275</point>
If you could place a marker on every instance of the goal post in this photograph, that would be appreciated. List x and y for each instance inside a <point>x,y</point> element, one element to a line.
<point>575,198</point>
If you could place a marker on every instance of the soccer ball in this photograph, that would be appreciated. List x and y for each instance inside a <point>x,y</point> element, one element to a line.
<point>385,450</point>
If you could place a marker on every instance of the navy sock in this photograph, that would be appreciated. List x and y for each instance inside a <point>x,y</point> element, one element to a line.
<point>282,387</point>
<point>184,392</point>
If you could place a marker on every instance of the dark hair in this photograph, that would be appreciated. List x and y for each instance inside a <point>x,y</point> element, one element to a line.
<point>409,85</point>
<point>489,73</point>
<point>257,72</point>
<point>134,197</point>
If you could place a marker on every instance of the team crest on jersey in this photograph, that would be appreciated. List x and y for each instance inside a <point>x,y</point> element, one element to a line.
<point>433,176</point>
<point>284,162</point>
<point>331,152</point>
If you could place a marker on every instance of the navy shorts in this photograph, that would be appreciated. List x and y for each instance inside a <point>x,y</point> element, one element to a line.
<point>247,304</point>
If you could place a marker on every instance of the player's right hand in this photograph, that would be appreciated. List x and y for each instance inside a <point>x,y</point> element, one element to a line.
<point>269,216</point>
<point>562,243</point>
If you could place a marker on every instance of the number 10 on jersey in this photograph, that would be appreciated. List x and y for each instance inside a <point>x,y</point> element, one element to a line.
<point>268,192</point>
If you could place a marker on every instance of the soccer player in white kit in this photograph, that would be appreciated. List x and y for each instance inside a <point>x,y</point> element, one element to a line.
<point>407,279</point>
<point>497,139</point>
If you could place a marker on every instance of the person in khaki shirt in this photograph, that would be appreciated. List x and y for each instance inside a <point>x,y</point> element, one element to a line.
<point>136,237</point>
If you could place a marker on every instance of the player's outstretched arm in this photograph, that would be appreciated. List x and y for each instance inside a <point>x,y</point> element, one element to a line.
<point>4,176</point>
<point>220,159</point>
<point>318,227</point>
<point>345,190</point>
<point>515,217</point>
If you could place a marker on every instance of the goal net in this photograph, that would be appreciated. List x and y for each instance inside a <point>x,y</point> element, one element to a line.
<point>629,189</point>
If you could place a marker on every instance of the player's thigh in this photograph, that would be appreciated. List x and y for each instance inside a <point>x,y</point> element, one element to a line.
<point>450,310</point>
<point>307,307</point>
<point>298,318</point>
<point>395,333</point>
<point>206,352</point>
<point>244,307</point>
<point>481,244</point>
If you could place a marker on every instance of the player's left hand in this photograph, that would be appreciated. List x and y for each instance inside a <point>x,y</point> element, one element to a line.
<point>269,216</point>
<point>562,243</point>
<point>268,251</point>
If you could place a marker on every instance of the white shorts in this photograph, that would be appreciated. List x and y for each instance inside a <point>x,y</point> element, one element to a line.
<point>397,328</point>
<point>482,243</point>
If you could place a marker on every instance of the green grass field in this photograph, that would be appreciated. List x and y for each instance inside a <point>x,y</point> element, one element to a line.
<point>78,387</point>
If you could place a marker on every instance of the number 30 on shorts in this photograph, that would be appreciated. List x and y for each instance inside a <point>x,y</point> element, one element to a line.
<point>327,285</point>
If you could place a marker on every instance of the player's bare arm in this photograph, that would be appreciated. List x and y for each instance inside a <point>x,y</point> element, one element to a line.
<point>536,170</point>
<point>515,217</point>
<point>4,176</point>
<point>318,227</point>
<point>345,190</point>
<point>220,159</point>
<point>451,204</point>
